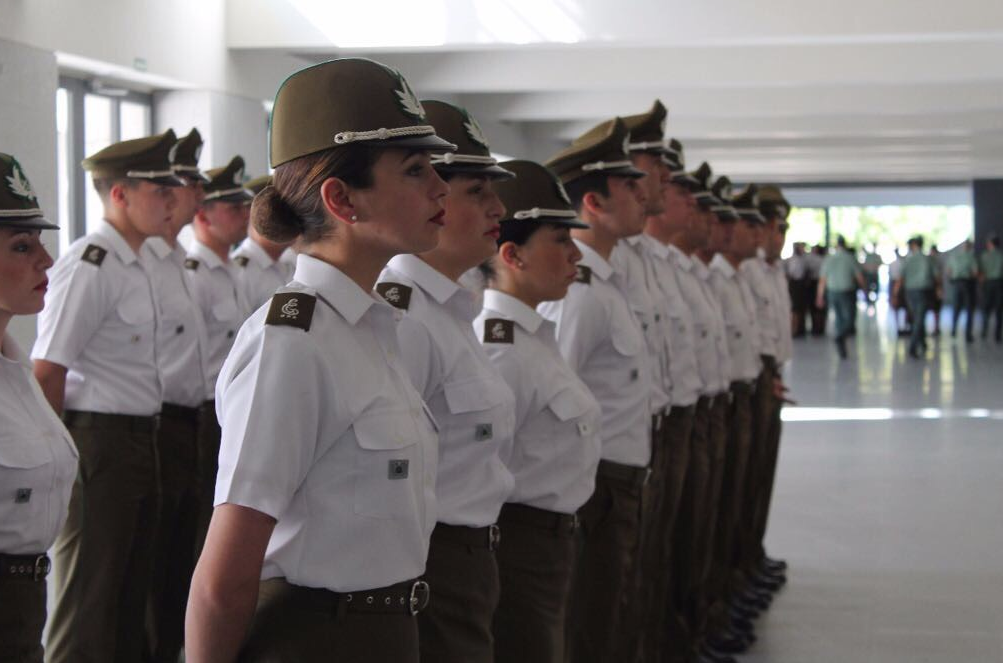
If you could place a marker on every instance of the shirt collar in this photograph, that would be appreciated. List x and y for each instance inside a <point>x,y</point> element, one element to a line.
<point>118,243</point>
<point>11,352</point>
<point>206,255</point>
<point>660,250</point>
<point>721,264</point>
<point>512,308</point>
<point>341,292</point>
<point>681,258</point>
<point>634,239</point>
<point>158,246</point>
<point>425,276</point>
<point>594,261</point>
<point>255,253</point>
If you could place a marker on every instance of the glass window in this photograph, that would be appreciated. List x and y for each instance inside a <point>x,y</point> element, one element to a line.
<point>63,151</point>
<point>806,224</point>
<point>134,120</point>
<point>98,135</point>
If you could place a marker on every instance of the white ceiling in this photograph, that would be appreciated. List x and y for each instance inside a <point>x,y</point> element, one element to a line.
<point>779,90</point>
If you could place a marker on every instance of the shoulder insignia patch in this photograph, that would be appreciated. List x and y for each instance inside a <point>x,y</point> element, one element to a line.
<point>291,309</point>
<point>94,254</point>
<point>241,261</point>
<point>584,275</point>
<point>396,294</point>
<point>192,264</point>
<point>497,330</point>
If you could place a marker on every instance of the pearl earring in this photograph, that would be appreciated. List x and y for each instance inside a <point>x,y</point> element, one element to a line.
<point>355,217</point>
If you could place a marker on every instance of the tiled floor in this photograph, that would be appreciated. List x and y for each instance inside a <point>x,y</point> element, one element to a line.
<point>889,505</point>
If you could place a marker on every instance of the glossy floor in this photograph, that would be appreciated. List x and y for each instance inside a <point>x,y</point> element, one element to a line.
<point>889,505</point>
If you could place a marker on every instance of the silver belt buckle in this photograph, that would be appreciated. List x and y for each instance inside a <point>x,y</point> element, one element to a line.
<point>494,537</point>
<point>420,593</point>
<point>41,568</point>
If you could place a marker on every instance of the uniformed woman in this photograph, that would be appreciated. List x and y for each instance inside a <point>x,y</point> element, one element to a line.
<point>38,460</point>
<point>470,401</point>
<point>325,491</point>
<point>556,448</point>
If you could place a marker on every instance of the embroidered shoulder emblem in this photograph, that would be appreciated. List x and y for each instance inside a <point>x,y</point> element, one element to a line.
<point>192,264</point>
<point>94,254</point>
<point>396,294</point>
<point>497,330</point>
<point>241,261</point>
<point>291,309</point>
<point>584,274</point>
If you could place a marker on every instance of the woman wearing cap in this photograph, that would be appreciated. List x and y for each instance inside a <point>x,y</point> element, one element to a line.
<point>470,401</point>
<point>556,448</point>
<point>38,460</point>
<point>325,491</point>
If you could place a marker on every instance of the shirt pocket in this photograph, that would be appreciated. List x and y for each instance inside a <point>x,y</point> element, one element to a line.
<point>25,479</point>
<point>388,465</point>
<point>481,409</point>
<point>626,338</point>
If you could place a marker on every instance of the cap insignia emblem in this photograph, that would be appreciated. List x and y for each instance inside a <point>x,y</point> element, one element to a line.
<point>726,191</point>
<point>755,200</point>
<point>562,192</point>
<point>782,211</point>
<point>18,184</point>
<point>475,132</point>
<point>661,126</point>
<point>626,144</point>
<point>497,330</point>
<point>173,153</point>
<point>238,177</point>
<point>198,152</point>
<point>408,101</point>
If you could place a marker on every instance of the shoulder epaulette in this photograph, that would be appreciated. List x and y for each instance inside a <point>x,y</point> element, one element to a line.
<point>94,254</point>
<point>499,330</point>
<point>291,309</point>
<point>192,264</point>
<point>241,261</point>
<point>584,275</point>
<point>396,294</point>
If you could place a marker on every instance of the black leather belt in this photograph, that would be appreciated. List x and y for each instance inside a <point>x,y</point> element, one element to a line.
<point>478,537</point>
<point>740,387</point>
<point>189,415</point>
<point>408,598</point>
<point>561,524</point>
<point>636,476</point>
<point>129,422</point>
<point>34,567</point>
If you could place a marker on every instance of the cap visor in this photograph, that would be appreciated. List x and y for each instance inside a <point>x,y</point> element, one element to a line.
<point>494,172</point>
<point>27,223</point>
<point>242,196</point>
<point>624,171</point>
<point>432,143</point>
<point>166,180</point>
<point>754,217</point>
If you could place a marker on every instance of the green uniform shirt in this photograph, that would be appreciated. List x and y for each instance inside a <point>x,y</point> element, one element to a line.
<point>918,272</point>
<point>992,264</point>
<point>839,271</point>
<point>962,265</point>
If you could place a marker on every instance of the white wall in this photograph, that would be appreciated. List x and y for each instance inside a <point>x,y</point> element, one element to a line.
<point>28,82</point>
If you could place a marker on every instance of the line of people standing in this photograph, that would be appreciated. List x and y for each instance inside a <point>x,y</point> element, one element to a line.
<point>575,464</point>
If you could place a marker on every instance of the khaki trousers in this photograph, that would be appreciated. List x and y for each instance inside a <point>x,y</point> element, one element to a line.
<point>771,431</point>
<point>209,435</point>
<point>22,618</point>
<point>608,550</point>
<point>295,624</point>
<point>104,556</point>
<point>534,566</point>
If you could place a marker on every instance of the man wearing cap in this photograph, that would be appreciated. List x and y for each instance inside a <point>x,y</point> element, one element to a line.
<point>603,342</point>
<point>265,266</point>
<point>837,284</point>
<point>991,275</point>
<point>181,353</point>
<point>220,222</point>
<point>963,272</point>
<point>96,359</point>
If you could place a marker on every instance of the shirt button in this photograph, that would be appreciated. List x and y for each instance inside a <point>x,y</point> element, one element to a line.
<point>230,334</point>
<point>135,338</point>
<point>180,329</point>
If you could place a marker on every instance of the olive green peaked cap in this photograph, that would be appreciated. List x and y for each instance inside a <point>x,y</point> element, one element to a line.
<point>647,130</point>
<point>346,101</point>
<point>675,159</point>
<point>537,195</point>
<point>601,149</point>
<point>227,183</point>
<point>722,190</point>
<point>18,204</point>
<point>258,183</point>
<point>473,154</point>
<point>772,203</point>
<point>703,176</point>
<point>185,156</point>
<point>141,158</point>
<point>747,204</point>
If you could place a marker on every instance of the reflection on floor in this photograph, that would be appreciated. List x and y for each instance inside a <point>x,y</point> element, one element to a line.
<point>888,505</point>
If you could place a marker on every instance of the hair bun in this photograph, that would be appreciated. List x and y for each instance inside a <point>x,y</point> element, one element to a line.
<point>274,218</point>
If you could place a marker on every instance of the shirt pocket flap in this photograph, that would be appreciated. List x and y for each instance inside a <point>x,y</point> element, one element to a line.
<point>568,404</point>
<point>224,310</point>
<point>23,456</point>
<point>473,394</point>
<point>385,431</point>
<point>135,312</point>
<point>626,338</point>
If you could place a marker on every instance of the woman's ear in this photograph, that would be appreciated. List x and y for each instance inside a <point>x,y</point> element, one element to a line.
<point>508,253</point>
<point>336,197</point>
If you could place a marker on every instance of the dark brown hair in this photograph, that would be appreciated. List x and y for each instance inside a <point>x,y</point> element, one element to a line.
<point>291,207</point>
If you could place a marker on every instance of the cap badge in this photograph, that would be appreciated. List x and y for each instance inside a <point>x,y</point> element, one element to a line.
<point>726,191</point>
<point>782,210</point>
<point>198,152</point>
<point>18,184</point>
<point>626,144</point>
<point>755,200</point>
<point>408,101</point>
<point>475,132</point>
<point>562,192</point>
<point>173,153</point>
<point>661,126</point>
<point>238,177</point>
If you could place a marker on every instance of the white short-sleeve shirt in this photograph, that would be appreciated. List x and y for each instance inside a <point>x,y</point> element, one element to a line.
<point>258,275</point>
<point>181,335</point>
<point>768,314</point>
<point>323,431</point>
<point>557,437</point>
<point>38,460</point>
<point>720,330</point>
<point>100,322</point>
<point>602,341</point>
<point>782,298</point>
<point>472,404</point>
<point>221,300</point>
<point>740,321</point>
